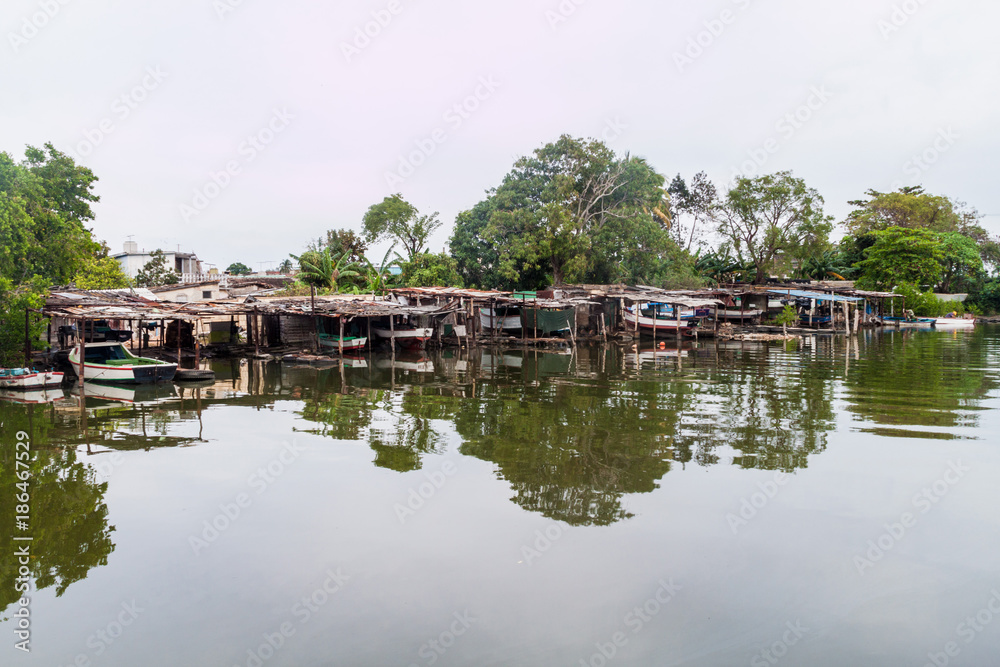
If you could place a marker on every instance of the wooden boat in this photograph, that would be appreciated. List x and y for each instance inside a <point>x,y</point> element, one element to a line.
<point>662,326</point>
<point>908,322</point>
<point>332,342</point>
<point>111,362</point>
<point>737,314</point>
<point>505,319</point>
<point>954,322</point>
<point>413,338</point>
<point>26,378</point>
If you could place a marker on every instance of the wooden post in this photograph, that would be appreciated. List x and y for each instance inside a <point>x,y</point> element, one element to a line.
<point>197,352</point>
<point>178,323</point>
<point>340,343</point>
<point>392,332</point>
<point>83,338</point>
<point>27,337</point>
<point>256,332</point>
<point>654,328</point>
<point>573,328</point>
<point>677,312</point>
<point>635,328</point>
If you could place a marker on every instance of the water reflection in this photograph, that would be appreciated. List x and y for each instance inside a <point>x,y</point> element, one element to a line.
<point>68,518</point>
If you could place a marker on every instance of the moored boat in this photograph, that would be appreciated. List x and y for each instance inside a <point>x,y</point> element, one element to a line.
<point>908,322</point>
<point>412,338</point>
<point>332,342</point>
<point>26,378</point>
<point>111,362</point>
<point>659,326</point>
<point>954,322</point>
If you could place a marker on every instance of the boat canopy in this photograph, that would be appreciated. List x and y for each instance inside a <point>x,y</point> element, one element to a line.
<point>818,296</point>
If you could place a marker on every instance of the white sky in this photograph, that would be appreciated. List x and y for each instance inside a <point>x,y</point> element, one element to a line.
<point>610,67</point>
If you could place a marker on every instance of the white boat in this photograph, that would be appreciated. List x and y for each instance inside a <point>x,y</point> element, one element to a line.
<point>662,327</point>
<point>26,378</point>
<point>737,314</point>
<point>502,319</point>
<point>919,322</point>
<point>414,338</point>
<point>954,322</point>
<point>350,342</point>
<point>111,362</point>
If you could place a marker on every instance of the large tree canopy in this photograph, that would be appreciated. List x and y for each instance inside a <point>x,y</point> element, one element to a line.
<point>44,204</point>
<point>900,255</point>
<point>772,215</point>
<point>912,208</point>
<point>572,211</point>
<point>396,219</point>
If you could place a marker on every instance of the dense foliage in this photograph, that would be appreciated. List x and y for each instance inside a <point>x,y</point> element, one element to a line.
<point>572,211</point>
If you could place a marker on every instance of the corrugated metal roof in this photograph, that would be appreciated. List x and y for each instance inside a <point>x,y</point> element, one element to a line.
<point>818,296</point>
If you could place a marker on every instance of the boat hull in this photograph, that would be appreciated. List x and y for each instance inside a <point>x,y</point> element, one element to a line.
<point>953,323</point>
<point>34,380</point>
<point>413,339</point>
<point>145,371</point>
<point>649,326</point>
<point>349,343</point>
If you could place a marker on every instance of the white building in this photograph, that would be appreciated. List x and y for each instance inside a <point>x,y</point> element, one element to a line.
<point>185,264</point>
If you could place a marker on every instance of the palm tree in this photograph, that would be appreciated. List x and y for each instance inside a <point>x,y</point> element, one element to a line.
<point>324,270</point>
<point>829,264</point>
<point>285,267</point>
<point>377,278</point>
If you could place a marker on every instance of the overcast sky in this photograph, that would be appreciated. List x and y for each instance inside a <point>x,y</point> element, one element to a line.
<point>240,129</point>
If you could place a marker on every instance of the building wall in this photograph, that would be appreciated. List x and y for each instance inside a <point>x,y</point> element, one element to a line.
<point>132,260</point>
<point>191,294</point>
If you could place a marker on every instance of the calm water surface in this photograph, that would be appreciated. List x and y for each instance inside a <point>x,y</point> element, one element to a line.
<point>830,503</point>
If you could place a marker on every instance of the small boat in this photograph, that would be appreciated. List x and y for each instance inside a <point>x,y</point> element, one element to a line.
<point>954,322</point>
<point>737,314</point>
<point>111,362</point>
<point>332,342</point>
<point>411,338</point>
<point>26,378</point>
<point>908,322</point>
<point>649,325</point>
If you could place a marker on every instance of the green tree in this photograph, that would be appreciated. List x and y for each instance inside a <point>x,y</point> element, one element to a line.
<point>44,205</point>
<point>376,278</point>
<point>692,209</point>
<point>155,273</point>
<point>15,301</point>
<point>341,241</point>
<point>961,264</point>
<point>571,211</point>
<point>430,270</point>
<point>323,269</point>
<point>901,255</point>
<point>103,273</point>
<point>396,219</point>
<point>285,267</point>
<point>239,269</point>
<point>912,208</point>
<point>770,216</point>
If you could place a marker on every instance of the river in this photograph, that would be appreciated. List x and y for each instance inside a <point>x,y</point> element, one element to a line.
<point>822,502</point>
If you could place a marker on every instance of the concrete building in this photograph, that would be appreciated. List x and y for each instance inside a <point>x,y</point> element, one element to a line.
<point>185,264</point>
